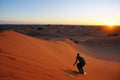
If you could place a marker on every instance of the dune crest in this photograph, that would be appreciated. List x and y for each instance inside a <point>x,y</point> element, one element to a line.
<point>27,58</point>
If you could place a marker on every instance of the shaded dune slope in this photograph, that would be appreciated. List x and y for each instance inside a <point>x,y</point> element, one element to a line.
<point>105,48</point>
<point>26,58</point>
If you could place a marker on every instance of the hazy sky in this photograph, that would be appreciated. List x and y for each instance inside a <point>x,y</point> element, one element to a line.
<point>60,11</point>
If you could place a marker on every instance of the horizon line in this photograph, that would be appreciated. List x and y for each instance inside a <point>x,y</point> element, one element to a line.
<point>54,24</point>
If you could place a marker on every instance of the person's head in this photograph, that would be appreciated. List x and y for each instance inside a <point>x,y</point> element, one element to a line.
<point>78,54</point>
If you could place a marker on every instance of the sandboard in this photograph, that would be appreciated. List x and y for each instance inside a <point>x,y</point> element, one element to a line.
<point>79,72</point>
<point>74,72</point>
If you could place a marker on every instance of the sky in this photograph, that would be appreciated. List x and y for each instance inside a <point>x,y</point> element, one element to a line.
<point>85,12</point>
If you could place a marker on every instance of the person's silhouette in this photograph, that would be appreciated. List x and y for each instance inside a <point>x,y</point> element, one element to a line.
<point>80,64</point>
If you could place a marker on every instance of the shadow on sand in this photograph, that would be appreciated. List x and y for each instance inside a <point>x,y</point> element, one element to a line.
<point>71,72</point>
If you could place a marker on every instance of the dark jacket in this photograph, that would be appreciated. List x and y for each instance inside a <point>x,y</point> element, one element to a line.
<point>81,59</point>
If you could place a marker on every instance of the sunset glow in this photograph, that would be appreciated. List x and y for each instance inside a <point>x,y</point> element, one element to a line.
<point>80,12</point>
<point>111,24</point>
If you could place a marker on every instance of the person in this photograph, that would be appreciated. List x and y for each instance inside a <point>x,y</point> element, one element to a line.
<point>81,63</point>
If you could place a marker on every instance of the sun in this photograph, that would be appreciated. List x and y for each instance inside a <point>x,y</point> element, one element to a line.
<point>111,23</point>
<point>110,26</point>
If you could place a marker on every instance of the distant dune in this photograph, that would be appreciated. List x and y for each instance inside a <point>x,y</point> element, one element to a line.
<point>105,48</point>
<point>63,30</point>
<point>27,58</point>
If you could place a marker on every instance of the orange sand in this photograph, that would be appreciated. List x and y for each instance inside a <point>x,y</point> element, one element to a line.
<point>26,58</point>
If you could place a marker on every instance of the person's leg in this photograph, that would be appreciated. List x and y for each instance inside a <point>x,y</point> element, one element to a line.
<point>78,66</point>
<point>82,65</point>
<point>82,71</point>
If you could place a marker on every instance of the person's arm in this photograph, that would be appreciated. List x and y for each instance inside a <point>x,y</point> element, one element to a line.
<point>75,62</point>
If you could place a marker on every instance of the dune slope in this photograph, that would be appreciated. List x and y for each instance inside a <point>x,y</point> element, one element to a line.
<point>26,58</point>
<point>105,48</point>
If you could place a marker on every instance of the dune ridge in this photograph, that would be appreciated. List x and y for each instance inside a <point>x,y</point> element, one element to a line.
<point>26,58</point>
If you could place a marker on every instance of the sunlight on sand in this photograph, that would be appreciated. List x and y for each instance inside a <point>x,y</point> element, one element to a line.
<point>27,58</point>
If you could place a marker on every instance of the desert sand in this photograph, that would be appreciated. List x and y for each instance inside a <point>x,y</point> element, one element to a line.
<point>26,58</point>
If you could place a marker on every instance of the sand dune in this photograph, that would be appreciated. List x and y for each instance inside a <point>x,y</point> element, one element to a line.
<point>105,48</point>
<point>26,58</point>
